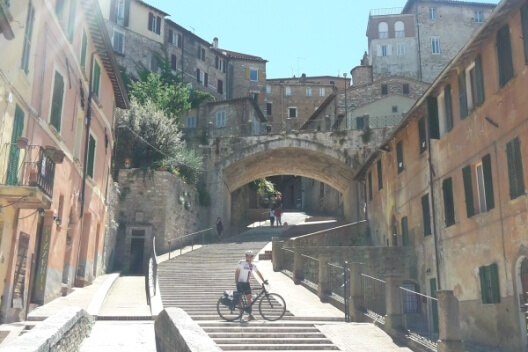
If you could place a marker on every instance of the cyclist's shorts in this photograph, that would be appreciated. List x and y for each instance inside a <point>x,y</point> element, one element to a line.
<point>243,287</point>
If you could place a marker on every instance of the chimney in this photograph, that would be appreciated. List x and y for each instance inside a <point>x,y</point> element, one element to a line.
<point>303,78</point>
<point>215,43</point>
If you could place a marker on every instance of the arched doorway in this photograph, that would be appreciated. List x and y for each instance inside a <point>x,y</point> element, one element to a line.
<point>522,294</point>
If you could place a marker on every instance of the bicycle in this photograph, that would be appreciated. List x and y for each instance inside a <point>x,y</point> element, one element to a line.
<point>271,306</point>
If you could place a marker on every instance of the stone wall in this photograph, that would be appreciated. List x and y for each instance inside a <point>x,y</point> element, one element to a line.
<point>62,332</point>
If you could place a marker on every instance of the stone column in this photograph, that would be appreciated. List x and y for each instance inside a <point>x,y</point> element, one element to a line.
<point>394,318</point>
<point>298,271</point>
<point>324,282</point>
<point>355,305</point>
<point>450,337</point>
<point>277,253</point>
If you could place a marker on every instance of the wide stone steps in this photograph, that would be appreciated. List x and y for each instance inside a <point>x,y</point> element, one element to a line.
<point>196,280</point>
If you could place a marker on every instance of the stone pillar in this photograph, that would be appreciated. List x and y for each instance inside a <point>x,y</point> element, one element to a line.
<point>355,305</point>
<point>324,282</point>
<point>277,253</point>
<point>450,337</point>
<point>298,271</point>
<point>394,318</point>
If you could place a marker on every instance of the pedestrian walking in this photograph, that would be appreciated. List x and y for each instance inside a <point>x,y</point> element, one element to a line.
<point>272,217</point>
<point>278,214</point>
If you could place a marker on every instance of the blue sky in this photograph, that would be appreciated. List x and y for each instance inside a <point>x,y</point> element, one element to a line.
<point>295,36</point>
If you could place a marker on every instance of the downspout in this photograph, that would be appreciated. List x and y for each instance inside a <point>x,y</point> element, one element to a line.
<point>182,56</point>
<point>431,192</point>
<point>419,49</point>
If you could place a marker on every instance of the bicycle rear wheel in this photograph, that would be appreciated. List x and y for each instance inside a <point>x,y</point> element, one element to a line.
<point>229,312</point>
<point>272,306</point>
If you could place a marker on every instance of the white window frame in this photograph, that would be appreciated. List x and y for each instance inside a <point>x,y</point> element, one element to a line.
<point>481,189</point>
<point>120,12</point>
<point>221,119</point>
<point>400,49</point>
<point>308,91</point>
<point>122,33</point>
<point>385,50</point>
<point>433,14</point>
<point>399,29</point>
<point>190,122</point>
<point>470,87</point>
<point>435,46</point>
<point>287,91</point>
<point>440,101</point>
<point>479,17</point>
<point>322,92</point>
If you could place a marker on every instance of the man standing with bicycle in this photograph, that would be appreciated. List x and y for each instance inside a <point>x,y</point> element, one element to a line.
<point>242,276</point>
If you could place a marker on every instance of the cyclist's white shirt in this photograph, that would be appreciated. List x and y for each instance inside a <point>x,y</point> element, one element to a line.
<point>245,270</point>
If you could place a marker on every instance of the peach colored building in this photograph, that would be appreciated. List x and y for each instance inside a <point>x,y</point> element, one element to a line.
<point>54,185</point>
<point>451,183</point>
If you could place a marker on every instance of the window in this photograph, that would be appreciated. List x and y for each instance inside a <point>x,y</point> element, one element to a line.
<point>28,33</point>
<point>154,23</point>
<point>383,30</point>
<point>399,29</point>
<point>96,79</point>
<point>308,91</point>
<point>152,62</point>
<point>448,109</point>
<point>292,112</point>
<point>175,38</point>
<point>84,49</point>
<point>405,231</point>
<point>515,168</point>
<point>422,133</point>
<point>474,84</point>
<point>201,53</point>
<point>410,299</point>
<point>90,167</point>
<point>220,87</point>
<point>400,49</point>
<point>384,50</point>
<point>484,187</point>
<point>380,175</point>
<point>449,203</point>
<point>406,88</point>
<point>433,120</point>
<point>268,109</point>
<point>71,20</point>
<point>118,41</point>
<point>479,17</point>
<point>432,13</point>
<point>524,22</point>
<point>384,89</point>
<point>462,96</point>
<point>219,64</point>
<point>489,283</point>
<point>268,89</point>
<point>174,62</point>
<point>221,119</point>
<point>394,109</point>
<point>435,46</point>
<point>504,55</point>
<point>370,185</point>
<point>287,91</point>
<point>202,77</point>
<point>426,215</point>
<point>253,75</point>
<point>399,156</point>
<point>255,97</point>
<point>57,101</point>
<point>119,12</point>
<point>190,122</point>
<point>322,92</point>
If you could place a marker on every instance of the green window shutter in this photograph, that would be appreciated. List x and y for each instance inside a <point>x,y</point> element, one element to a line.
<point>524,21</point>
<point>448,102</point>
<point>426,215</point>
<point>462,97</point>
<point>432,113</point>
<point>14,152</point>
<point>483,290</point>
<point>488,182</point>
<point>480,81</point>
<point>494,278</point>
<point>91,157</point>
<point>71,20</point>
<point>468,191</point>
<point>380,175</point>
<point>96,80</point>
<point>405,231</point>
<point>56,102</point>
<point>84,46</point>
<point>449,208</point>
<point>504,55</point>
<point>515,168</point>
<point>422,135</point>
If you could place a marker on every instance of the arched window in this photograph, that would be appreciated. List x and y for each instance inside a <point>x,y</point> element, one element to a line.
<point>383,30</point>
<point>399,29</point>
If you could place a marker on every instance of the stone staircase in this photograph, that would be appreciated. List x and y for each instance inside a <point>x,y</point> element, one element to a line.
<point>194,282</point>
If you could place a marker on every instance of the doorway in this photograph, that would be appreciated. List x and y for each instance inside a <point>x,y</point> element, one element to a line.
<point>137,251</point>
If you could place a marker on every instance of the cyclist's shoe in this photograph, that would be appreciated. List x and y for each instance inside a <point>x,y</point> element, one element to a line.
<point>251,317</point>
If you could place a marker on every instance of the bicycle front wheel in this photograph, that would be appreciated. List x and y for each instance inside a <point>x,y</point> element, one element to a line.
<point>272,306</point>
<point>229,312</point>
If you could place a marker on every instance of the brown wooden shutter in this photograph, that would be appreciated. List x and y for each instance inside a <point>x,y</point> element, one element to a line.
<point>261,75</point>
<point>260,99</point>
<point>247,73</point>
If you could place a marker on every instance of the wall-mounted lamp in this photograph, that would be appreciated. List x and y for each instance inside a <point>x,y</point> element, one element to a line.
<point>42,213</point>
<point>57,220</point>
<point>428,271</point>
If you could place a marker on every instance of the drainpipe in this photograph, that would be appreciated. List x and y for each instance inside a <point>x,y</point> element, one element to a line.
<point>435,233</point>
<point>419,47</point>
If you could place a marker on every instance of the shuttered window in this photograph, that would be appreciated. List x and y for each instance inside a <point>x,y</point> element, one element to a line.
<point>399,156</point>
<point>504,55</point>
<point>28,33</point>
<point>422,135</point>
<point>448,105</point>
<point>462,96</point>
<point>96,79</point>
<point>380,175</point>
<point>524,21</point>
<point>91,157</point>
<point>488,182</point>
<point>405,231</point>
<point>432,113</point>
<point>468,191</point>
<point>426,215</point>
<point>370,185</point>
<point>174,62</point>
<point>479,77</point>
<point>57,102</point>
<point>515,168</point>
<point>449,204</point>
<point>84,48</point>
<point>489,284</point>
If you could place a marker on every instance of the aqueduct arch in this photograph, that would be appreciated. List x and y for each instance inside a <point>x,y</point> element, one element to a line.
<point>287,155</point>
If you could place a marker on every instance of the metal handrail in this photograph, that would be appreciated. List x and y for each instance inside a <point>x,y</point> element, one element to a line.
<point>181,238</point>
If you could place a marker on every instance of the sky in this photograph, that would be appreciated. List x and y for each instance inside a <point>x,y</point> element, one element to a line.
<point>318,38</point>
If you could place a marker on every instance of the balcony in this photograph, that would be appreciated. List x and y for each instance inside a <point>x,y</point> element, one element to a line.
<point>28,174</point>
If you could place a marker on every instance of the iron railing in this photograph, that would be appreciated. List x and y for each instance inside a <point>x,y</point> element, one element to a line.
<point>373,290</point>
<point>151,274</point>
<point>189,239</point>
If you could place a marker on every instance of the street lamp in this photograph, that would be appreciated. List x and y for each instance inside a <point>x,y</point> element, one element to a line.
<point>346,105</point>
